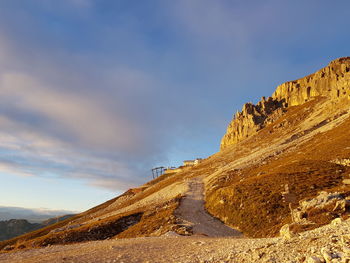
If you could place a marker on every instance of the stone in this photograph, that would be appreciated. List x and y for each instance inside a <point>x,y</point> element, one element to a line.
<point>9,247</point>
<point>327,255</point>
<point>345,240</point>
<point>171,234</point>
<point>335,202</point>
<point>337,221</point>
<point>314,259</point>
<point>285,232</point>
<point>312,250</point>
<point>346,251</point>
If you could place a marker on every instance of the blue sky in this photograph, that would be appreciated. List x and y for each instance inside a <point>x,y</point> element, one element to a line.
<point>93,94</point>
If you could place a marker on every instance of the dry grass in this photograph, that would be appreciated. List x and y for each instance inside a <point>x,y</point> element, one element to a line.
<point>140,222</point>
<point>157,221</point>
<point>132,224</point>
<point>251,199</point>
<point>46,230</point>
<point>102,230</point>
<point>255,204</point>
<point>109,226</point>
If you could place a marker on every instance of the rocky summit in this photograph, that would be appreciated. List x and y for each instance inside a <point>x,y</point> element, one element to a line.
<point>332,82</point>
<point>277,191</point>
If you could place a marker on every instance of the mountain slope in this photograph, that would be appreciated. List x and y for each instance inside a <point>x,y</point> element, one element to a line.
<point>276,159</point>
<point>295,148</point>
<point>16,227</point>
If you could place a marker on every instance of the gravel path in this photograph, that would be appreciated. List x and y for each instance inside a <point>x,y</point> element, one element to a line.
<point>193,213</point>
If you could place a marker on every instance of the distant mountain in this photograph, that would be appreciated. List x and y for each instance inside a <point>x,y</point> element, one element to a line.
<point>53,220</point>
<point>32,215</point>
<point>15,221</point>
<point>16,227</point>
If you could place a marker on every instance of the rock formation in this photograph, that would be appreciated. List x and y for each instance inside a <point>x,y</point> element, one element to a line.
<point>332,81</point>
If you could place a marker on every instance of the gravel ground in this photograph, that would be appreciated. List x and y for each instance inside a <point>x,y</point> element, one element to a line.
<point>326,244</point>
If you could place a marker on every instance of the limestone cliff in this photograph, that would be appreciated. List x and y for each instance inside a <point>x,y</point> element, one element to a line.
<point>332,81</point>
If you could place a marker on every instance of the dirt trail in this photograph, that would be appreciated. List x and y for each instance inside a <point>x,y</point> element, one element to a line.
<point>193,213</point>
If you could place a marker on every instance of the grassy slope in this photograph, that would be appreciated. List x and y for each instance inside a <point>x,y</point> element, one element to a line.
<point>150,221</point>
<point>46,230</point>
<point>251,198</point>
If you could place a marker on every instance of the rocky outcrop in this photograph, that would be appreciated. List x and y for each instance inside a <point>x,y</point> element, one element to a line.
<point>332,81</point>
<point>251,119</point>
<point>331,205</point>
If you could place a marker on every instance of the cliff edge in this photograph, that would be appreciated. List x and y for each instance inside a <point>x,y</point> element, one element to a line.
<point>333,82</point>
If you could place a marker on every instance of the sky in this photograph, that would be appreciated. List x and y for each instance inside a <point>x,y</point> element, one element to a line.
<point>94,93</point>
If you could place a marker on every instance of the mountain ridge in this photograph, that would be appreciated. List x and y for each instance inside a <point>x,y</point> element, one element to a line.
<point>16,227</point>
<point>331,81</point>
<point>33,215</point>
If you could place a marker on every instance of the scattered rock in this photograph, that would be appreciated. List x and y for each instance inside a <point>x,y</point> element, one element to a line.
<point>324,203</point>
<point>171,234</point>
<point>314,259</point>
<point>9,247</point>
<point>344,162</point>
<point>345,239</point>
<point>327,255</point>
<point>336,221</point>
<point>285,232</point>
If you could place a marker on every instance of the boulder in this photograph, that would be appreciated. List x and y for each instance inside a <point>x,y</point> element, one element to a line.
<point>286,233</point>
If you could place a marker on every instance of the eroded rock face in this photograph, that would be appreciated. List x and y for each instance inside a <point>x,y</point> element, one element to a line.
<point>251,119</point>
<point>325,204</point>
<point>332,81</point>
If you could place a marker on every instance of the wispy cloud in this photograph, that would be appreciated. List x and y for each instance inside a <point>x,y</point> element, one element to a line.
<point>61,124</point>
<point>101,91</point>
<point>68,112</point>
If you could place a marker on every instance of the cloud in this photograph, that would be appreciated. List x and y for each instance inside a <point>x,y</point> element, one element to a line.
<point>13,169</point>
<point>58,124</point>
<point>47,132</point>
<point>29,156</point>
<point>102,91</point>
<point>78,116</point>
